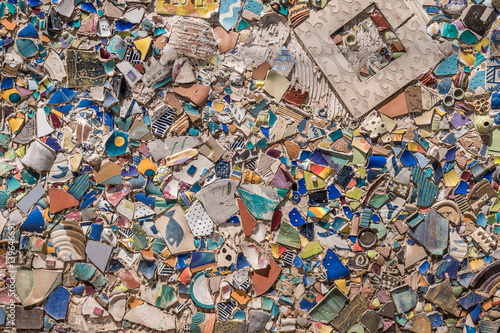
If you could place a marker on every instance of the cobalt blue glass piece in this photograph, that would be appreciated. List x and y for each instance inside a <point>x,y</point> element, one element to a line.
<point>241,261</point>
<point>318,158</point>
<point>57,303</point>
<point>334,268</point>
<point>122,25</point>
<point>96,231</point>
<point>333,192</point>
<point>407,158</point>
<point>150,201</point>
<point>295,218</point>
<point>34,222</point>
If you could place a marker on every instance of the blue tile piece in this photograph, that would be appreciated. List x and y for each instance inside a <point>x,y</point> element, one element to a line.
<point>241,261</point>
<point>109,100</point>
<point>448,268</point>
<point>80,186</point>
<point>449,66</point>
<point>297,261</point>
<point>96,231</point>
<point>333,192</point>
<point>426,189</point>
<point>436,320</point>
<point>408,159</point>
<point>147,268</point>
<point>376,161</point>
<point>29,31</point>
<point>462,187</point>
<point>34,222</point>
<point>345,176</point>
<point>432,233</point>
<point>57,303</point>
<point>147,200</point>
<point>308,231</point>
<point>471,299</point>
<point>444,86</point>
<point>2,315</point>
<point>114,266</point>
<point>318,158</point>
<point>295,218</point>
<point>334,268</point>
<point>478,80</point>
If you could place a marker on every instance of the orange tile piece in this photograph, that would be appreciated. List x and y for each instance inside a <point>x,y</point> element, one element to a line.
<point>148,254</point>
<point>394,106</point>
<point>248,222</point>
<point>263,279</point>
<point>185,277</point>
<point>60,200</point>
<point>487,305</point>
<point>240,296</point>
<point>292,149</point>
<point>9,24</point>
<point>133,302</point>
<point>197,93</point>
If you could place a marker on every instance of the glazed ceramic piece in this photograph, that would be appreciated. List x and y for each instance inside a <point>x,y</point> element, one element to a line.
<point>200,292</point>
<point>329,306</point>
<point>39,156</point>
<point>218,200</point>
<point>68,240</point>
<point>117,306</point>
<point>175,230</point>
<point>202,322</point>
<point>150,316</point>
<point>33,286</point>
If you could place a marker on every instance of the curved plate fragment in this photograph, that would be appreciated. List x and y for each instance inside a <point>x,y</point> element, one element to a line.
<point>68,240</point>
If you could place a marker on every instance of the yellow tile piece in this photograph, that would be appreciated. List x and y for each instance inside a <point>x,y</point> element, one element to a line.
<point>16,122</point>
<point>143,46</point>
<point>476,264</point>
<point>451,178</point>
<point>412,146</point>
<point>482,44</point>
<point>213,59</point>
<point>440,110</point>
<point>219,107</point>
<point>21,151</point>
<point>425,133</point>
<point>325,173</point>
<point>67,144</point>
<point>361,144</point>
<point>146,167</point>
<point>325,329</point>
<point>57,113</point>
<point>318,212</point>
<point>356,193</point>
<point>75,161</point>
<point>468,58</point>
<point>362,172</point>
<point>354,205</point>
<point>275,250</point>
<point>341,284</point>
